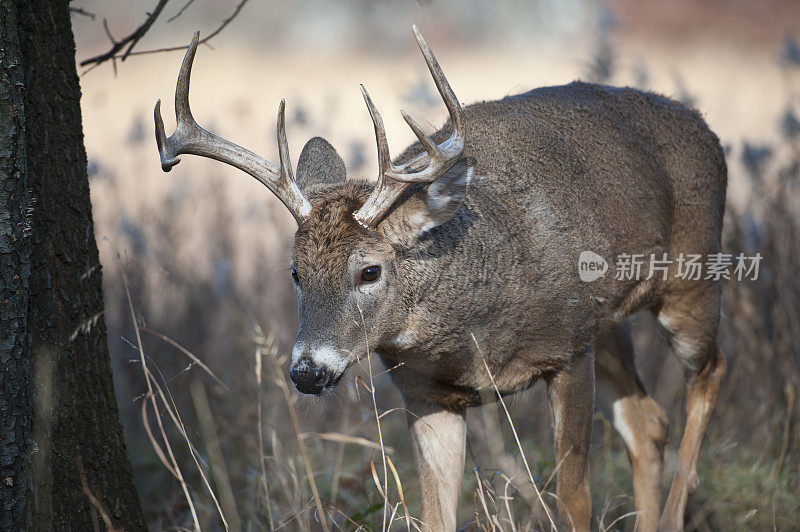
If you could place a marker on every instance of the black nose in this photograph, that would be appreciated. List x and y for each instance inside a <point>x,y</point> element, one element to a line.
<point>309,379</point>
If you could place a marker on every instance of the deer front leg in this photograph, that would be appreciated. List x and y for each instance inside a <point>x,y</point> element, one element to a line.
<point>571,394</point>
<point>438,437</point>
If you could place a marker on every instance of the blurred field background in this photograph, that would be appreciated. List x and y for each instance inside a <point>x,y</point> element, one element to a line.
<point>205,249</point>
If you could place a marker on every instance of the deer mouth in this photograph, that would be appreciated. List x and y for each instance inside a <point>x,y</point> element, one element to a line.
<point>317,383</point>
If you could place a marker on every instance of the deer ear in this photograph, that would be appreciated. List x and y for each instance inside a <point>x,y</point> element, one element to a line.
<point>319,164</point>
<point>433,206</point>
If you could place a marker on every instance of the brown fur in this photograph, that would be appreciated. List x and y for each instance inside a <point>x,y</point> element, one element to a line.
<point>480,269</point>
<point>330,233</point>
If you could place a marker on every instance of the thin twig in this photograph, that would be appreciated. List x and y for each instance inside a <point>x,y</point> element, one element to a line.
<point>81,11</point>
<point>180,12</point>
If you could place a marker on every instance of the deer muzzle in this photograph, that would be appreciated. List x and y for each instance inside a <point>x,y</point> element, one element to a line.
<point>316,369</point>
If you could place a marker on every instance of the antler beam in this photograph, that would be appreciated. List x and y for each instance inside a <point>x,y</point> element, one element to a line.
<point>190,138</point>
<point>424,168</point>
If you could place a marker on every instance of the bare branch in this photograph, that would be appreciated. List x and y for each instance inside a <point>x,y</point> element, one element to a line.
<point>81,11</point>
<point>108,31</point>
<point>129,41</point>
<point>180,12</point>
<point>205,40</point>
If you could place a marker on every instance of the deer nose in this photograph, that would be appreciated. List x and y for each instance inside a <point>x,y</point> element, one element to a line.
<point>310,379</point>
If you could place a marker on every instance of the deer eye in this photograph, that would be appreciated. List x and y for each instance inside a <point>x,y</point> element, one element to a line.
<point>295,276</point>
<point>370,274</point>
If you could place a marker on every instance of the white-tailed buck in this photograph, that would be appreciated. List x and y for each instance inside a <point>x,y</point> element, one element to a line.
<point>477,230</point>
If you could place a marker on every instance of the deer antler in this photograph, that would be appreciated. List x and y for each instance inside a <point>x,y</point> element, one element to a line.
<point>424,168</point>
<point>190,138</point>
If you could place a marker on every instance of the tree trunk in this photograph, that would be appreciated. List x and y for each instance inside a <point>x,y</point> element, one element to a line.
<point>63,462</point>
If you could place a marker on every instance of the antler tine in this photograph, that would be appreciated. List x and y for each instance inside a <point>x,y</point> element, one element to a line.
<point>433,150</point>
<point>384,157</point>
<point>425,167</point>
<point>190,138</point>
<point>183,114</point>
<point>443,86</point>
<point>283,145</point>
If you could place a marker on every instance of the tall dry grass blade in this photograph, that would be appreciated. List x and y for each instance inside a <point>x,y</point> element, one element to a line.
<point>506,501</point>
<point>153,442</point>
<point>482,498</point>
<point>337,472</point>
<point>261,462</point>
<point>789,392</point>
<point>375,478</point>
<point>392,516</point>
<point>516,436</point>
<point>296,426</point>
<point>344,438</point>
<point>150,395</point>
<point>346,518</point>
<point>94,501</point>
<point>396,409</point>
<point>618,519</point>
<point>288,479</point>
<point>400,491</point>
<point>188,353</point>
<point>284,463</point>
<point>555,470</point>
<point>490,413</point>
<point>172,411</point>
<point>389,370</point>
<point>377,418</point>
<point>218,468</point>
<point>295,516</point>
<point>168,402</point>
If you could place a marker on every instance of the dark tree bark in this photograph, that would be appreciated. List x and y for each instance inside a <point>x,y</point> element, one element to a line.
<point>63,462</point>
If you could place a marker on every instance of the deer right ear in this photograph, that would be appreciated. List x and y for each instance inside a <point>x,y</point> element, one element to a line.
<point>319,164</point>
<point>430,207</point>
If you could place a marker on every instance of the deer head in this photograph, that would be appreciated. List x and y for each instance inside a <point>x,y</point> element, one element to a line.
<point>351,254</point>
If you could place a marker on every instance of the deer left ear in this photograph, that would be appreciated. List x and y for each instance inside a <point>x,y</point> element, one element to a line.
<point>433,206</point>
<point>319,164</point>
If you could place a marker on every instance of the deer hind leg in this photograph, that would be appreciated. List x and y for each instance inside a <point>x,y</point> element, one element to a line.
<point>691,323</point>
<point>640,422</point>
